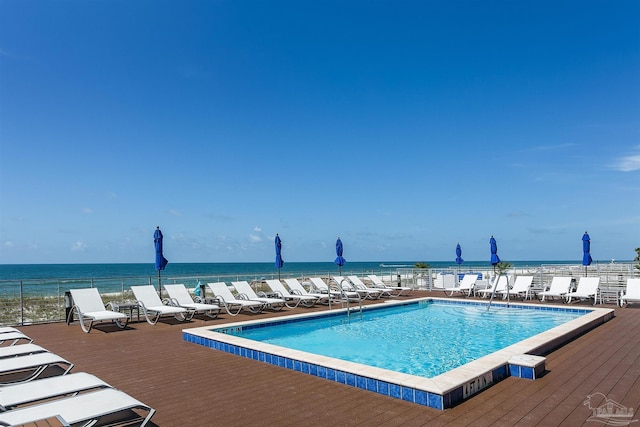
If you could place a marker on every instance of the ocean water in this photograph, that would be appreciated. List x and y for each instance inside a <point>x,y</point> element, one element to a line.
<point>253,270</point>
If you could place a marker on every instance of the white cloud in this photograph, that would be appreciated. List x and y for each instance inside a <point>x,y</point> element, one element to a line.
<point>174,212</point>
<point>627,164</point>
<point>78,246</point>
<point>87,210</point>
<point>256,236</point>
<point>9,244</point>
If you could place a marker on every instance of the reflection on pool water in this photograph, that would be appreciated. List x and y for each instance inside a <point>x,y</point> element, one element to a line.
<point>423,339</point>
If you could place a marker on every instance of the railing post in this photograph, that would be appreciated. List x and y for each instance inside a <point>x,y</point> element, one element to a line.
<point>21,304</point>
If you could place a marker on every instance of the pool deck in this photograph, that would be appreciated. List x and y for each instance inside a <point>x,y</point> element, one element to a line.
<point>189,384</point>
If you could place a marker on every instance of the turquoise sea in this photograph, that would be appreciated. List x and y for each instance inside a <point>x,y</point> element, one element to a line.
<point>54,279</point>
<point>29,272</point>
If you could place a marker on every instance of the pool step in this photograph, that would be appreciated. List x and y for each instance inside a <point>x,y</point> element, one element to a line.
<point>527,366</point>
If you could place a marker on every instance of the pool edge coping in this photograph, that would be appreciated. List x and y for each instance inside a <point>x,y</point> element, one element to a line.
<point>451,387</point>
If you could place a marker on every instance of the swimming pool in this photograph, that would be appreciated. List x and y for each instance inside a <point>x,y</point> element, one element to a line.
<point>444,387</point>
<point>425,339</point>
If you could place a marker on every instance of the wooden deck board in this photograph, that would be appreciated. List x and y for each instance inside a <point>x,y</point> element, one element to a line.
<point>191,385</point>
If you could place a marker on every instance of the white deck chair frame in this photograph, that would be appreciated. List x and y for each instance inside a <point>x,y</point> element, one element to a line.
<point>179,297</point>
<point>297,289</point>
<point>153,308</point>
<point>559,288</point>
<point>321,286</point>
<point>631,294</point>
<point>21,350</point>
<point>359,284</point>
<point>12,396</point>
<point>588,288</point>
<point>244,289</point>
<point>466,287</point>
<point>379,283</point>
<point>349,288</point>
<point>231,304</point>
<point>291,300</point>
<point>88,306</point>
<point>84,409</point>
<point>13,338</point>
<point>324,288</point>
<point>500,284</point>
<point>521,287</point>
<point>29,367</point>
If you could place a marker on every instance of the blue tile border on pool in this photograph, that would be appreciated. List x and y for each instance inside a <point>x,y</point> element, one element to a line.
<point>408,394</point>
<point>398,391</point>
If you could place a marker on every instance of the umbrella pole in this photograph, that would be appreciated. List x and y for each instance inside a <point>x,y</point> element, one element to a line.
<point>493,291</point>
<point>159,286</point>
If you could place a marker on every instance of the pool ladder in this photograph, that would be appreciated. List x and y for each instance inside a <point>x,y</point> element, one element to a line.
<point>345,299</point>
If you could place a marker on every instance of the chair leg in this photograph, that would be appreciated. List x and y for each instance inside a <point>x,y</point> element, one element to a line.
<point>85,327</point>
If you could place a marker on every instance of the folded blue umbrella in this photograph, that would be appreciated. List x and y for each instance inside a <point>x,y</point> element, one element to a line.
<point>161,261</point>
<point>494,251</point>
<point>459,259</point>
<point>586,248</point>
<point>279,261</point>
<point>339,260</point>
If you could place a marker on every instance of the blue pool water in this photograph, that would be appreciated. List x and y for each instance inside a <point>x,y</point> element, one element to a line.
<point>425,339</point>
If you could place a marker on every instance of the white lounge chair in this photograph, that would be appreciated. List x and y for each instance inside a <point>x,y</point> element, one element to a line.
<point>379,283</point>
<point>632,292</point>
<point>152,307</point>
<point>466,286</point>
<point>297,289</point>
<point>521,287</point>
<point>588,287</point>
<point>21,350</point>
<point>90,310</point>
<point>12,396</point>
<point>323,287</point>
<point>179,297</point>
<point>359,284</point>
<point>29,367</point>
<point>386,290</point>
<point>292,300</point>
<point>6,329</point>
<point>13,338</point>
<point>348,286</point>
<point>559,287</point>
<point>244,288</point>
<point>500,284</point>
<point>84,409</point>
<point>231,304</point>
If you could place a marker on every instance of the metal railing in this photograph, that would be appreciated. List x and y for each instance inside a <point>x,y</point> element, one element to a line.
<point>33,301</point>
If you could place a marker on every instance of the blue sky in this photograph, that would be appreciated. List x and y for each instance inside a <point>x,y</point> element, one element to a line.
<point>404,127</point>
